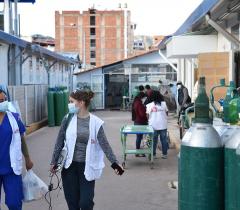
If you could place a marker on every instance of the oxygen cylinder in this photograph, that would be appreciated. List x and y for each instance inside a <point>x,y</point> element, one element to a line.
<point>228,133</point>
<point>135,92</point>
<point>234,110</point>
<point>201,161</point>
<point>65,99</point>
<point>232,170</point>
<point>50,103</point>
<point>59,107</point>
<point>228,98</point>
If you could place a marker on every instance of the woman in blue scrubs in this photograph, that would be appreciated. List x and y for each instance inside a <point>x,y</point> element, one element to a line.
<point>12,146</point>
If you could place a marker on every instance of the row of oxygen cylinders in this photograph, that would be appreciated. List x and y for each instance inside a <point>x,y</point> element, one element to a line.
<point>209,162</point>
<point>57,99</point>
<point>209,168</point>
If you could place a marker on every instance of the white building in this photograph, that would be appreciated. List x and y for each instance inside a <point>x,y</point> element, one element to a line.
<point>114,81</point>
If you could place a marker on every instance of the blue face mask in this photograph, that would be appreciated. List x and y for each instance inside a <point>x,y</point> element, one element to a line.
<point>4,106</point>
<point>72,108</point>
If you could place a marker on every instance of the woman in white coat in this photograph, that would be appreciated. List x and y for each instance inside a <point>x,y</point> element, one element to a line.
<point>85,145</point>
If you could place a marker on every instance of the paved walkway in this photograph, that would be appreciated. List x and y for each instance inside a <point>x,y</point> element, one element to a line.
<point>140,188</point>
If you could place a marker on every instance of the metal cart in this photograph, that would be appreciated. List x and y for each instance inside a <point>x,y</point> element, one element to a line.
<point>137,129</point>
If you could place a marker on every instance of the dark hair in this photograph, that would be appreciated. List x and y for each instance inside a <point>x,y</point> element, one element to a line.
<point>147,87</point>
<point>82,95</point>
<point>2,91</point>
<point>141,95</point>
<point>157,97</point>
<point>140,88</point>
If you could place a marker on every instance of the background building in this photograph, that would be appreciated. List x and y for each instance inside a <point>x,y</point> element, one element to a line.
<point>144,44</point>
<point>100,37</point>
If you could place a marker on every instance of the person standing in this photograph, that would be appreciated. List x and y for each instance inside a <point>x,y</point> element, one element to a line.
<point>85,142</point>
<point>183,98</point>
<point>157,113</point>
<point>139,118</point>
<point>12,146</point>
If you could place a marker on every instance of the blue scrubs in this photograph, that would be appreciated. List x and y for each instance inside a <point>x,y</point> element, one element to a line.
<point>12,183</point>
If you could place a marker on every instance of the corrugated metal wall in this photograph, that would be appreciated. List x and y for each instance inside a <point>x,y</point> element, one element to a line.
<point>32,101</point>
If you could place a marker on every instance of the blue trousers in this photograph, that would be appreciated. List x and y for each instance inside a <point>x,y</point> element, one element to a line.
<point>12,185</point>
<point>163,139</point>
<point>139,137</point>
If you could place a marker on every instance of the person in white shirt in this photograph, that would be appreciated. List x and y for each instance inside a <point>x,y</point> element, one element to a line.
<point>157,113</point>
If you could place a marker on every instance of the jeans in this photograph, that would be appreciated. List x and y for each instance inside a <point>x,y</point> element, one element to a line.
<point>163,139</point>
<point>79,192</point>
<point>139,137</point>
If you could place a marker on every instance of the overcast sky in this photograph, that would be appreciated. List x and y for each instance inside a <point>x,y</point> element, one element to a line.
<point>153,17</point>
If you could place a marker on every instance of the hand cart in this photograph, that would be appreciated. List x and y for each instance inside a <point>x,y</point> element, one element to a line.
<point>137,129</point>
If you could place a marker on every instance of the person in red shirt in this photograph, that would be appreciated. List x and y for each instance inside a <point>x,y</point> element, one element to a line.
<point>139,117</point>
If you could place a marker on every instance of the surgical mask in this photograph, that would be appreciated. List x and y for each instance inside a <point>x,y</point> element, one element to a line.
<point>4,106</point>
<point>72,108</point>
<point>179,86</point>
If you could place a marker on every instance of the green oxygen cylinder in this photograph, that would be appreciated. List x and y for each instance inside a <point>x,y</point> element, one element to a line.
<point>59,107</point>
<point>234,110</point>
<point>228,98</point>
<point>50,105</point>
<point>232,169</point>
<point>65,99</point>
<point>135,92</point>
<point>201,178</point>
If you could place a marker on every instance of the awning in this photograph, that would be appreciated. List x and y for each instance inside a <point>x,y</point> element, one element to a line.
<point>189,46</point>
<point>197,14</point>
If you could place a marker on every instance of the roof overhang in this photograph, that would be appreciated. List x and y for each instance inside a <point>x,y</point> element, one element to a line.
<point>190,46</point>
<point>34,48</point>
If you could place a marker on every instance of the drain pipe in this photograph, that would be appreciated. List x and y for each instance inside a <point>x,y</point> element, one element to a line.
<point>168,61</point>
<point>224,32</point>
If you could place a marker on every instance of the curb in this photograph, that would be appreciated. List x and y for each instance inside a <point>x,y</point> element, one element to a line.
<point>36,126</point>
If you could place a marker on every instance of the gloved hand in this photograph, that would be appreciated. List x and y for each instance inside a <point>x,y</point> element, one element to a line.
<point>117,168</point>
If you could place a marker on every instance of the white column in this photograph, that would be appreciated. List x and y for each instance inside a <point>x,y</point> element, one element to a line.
<point>6,16</point>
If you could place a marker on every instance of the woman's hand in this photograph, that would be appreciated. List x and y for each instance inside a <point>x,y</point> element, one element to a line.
<point>29,163</point>
<point>53,169</point>
<point>117,168</point>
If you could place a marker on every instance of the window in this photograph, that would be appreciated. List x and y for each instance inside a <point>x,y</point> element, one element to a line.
<point>93,63</point>
<point>92,11</point>
<point>92,20</point>
<point>92,43</point>
<point>235,31</point>
<point>92,54</point>
<point>92,31</point>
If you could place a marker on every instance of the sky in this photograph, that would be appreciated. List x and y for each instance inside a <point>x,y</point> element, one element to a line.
<point>153,17</point>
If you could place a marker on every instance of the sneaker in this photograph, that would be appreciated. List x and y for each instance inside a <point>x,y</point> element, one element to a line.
<point>164,156</point>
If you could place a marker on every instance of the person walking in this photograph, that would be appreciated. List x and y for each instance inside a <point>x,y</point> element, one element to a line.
<point>157,113</point>
<point>139,117</point>
<point>13,145</point>
<point>85,142</point>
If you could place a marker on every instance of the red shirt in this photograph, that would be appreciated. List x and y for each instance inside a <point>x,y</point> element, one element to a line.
<point>140,112</point>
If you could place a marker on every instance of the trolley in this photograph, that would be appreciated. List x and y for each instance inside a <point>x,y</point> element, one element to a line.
<point>137,129</point>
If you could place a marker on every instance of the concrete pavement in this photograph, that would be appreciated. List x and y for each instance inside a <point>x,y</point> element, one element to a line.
<point>140,188</point>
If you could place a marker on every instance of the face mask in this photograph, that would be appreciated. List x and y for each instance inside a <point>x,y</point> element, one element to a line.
<point>179,86</point>
<point>72,108</point>
<point>4,106</point>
